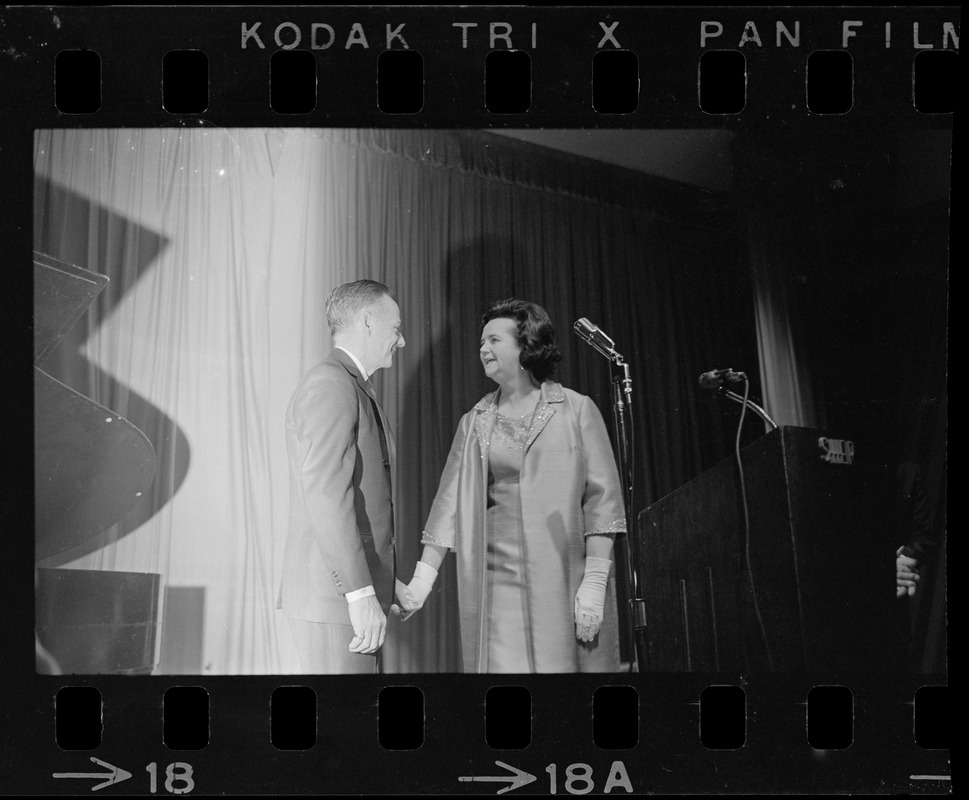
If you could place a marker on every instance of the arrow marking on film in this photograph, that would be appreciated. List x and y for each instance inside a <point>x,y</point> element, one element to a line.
<point>116,774</point>
<point>516,781</point>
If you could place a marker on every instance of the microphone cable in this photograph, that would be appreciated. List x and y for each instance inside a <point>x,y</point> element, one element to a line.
<point>743,497</point>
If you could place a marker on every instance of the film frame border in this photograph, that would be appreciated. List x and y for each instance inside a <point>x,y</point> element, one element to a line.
<point>37,33</point>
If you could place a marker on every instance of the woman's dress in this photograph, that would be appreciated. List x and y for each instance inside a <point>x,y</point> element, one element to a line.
<point>509,641</point>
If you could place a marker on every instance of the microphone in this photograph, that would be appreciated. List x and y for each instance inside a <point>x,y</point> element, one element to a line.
<point>594,336</point>
<point>718,377</point>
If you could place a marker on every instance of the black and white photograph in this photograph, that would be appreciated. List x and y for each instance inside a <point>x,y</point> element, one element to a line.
<point>307,365</point>
<point>580,432</point>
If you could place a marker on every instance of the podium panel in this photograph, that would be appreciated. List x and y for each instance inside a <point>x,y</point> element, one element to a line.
<point>807,585</point>
<point>98,622</point>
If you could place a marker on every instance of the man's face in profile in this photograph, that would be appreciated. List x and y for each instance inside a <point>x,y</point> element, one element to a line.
<point>385,332</point>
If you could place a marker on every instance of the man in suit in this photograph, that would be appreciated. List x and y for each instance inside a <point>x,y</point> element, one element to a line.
<point>338,573</point>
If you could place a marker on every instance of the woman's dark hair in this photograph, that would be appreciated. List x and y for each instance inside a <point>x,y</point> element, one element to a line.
<point>536,335</point>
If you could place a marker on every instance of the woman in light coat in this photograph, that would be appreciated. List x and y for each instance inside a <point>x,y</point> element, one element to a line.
<point>530,501</point>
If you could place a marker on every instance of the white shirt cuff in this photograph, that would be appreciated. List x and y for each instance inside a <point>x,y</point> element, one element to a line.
<point>359,594</point>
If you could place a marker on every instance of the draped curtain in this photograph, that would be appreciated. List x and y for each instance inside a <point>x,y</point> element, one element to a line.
<point>221,247</point>
<point>788,391</point>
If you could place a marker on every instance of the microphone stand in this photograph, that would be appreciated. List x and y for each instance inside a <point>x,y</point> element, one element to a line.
<point>623,385</point>
<point>750,404</point>
<point>622,397</point>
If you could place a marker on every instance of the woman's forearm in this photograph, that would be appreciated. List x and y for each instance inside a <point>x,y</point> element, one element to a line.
<point>433,555</point>
<point>598,545</point>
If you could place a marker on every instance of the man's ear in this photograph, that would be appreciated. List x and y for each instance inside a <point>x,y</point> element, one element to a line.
<point>367,318</point>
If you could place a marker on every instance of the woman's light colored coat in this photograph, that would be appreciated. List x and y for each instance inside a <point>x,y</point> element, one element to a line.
<point>569,489</point>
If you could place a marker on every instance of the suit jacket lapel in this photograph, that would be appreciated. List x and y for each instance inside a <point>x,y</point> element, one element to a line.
<point>367,387</point>
<point>389,436</point>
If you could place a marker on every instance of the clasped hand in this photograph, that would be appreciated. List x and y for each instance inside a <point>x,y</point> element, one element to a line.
<point>407,603</point>
<point>413,595</point>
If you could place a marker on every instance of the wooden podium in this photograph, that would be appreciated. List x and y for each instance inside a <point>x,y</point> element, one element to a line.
<point>817,556</point>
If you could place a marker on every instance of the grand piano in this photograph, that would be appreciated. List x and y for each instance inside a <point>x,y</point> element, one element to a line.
<point>91,467</point>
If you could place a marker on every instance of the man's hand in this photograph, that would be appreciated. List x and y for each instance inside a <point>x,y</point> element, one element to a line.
<point>369,625</point>
<point>906,572</point>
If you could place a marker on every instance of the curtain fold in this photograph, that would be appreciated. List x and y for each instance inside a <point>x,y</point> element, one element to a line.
<point>789,394</point>
<point>221,247</point>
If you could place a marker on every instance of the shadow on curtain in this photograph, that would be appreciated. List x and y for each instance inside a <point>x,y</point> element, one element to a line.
<point>74,229</point>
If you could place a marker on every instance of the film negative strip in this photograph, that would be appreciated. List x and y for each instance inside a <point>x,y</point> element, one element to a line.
<point>766,187</point>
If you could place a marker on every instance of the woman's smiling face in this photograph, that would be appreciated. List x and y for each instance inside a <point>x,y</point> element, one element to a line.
<point>499,350</point>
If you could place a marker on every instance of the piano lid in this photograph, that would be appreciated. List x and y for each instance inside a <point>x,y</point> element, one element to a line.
<point>62,293</point>
<point>90,465</point>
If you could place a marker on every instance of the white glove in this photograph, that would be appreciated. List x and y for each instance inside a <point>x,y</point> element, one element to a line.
<point>413,595</point>
<point>590,599</point>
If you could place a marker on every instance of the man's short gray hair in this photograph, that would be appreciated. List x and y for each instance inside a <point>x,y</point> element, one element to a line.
<point>347,300</point>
